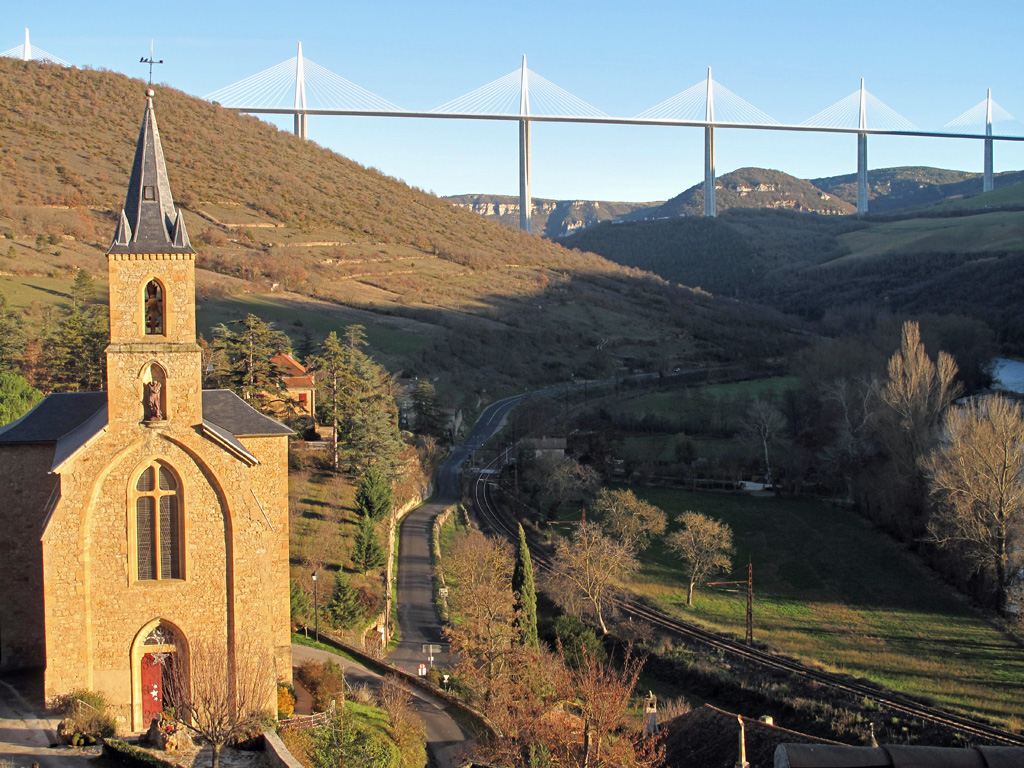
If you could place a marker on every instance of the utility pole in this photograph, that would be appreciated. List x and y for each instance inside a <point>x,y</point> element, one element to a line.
<point>749,581</point>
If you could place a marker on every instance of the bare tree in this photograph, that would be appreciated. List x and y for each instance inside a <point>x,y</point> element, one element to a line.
<point>976,477</point>
<point>912,399</point>
<point>478,571</point>
<point>704,544</point>
<point>765,422</point>
<point>631,520</point>
<point>548,714</point>
<point>587,569</point>
<point>222,698</point>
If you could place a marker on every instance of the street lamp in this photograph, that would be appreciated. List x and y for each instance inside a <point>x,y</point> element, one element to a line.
<point>316,609</point>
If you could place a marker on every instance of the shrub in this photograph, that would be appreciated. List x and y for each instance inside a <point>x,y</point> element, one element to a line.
<point>119,753</point>
<point>285,701</point>
<point>85,712</point>
<point>325,682</point>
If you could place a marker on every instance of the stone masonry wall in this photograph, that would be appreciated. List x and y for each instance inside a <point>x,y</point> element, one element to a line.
<point>25,489</point>
<point>232,585</point>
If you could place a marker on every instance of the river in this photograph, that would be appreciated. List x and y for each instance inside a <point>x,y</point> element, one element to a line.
<point>1009,375</point>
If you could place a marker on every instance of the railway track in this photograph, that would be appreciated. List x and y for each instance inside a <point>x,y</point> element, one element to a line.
<point>500,523</point>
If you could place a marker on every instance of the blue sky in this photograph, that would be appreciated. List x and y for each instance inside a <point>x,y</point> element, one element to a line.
<point>928,61</point>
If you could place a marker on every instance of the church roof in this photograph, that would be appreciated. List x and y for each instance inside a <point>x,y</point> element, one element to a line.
<point>71,419</point>
<point>230,412</point>
<point>57,415</point>
<point>149,222</point>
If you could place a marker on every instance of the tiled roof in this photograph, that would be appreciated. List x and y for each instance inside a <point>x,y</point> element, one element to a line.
<point>56,416</point>
<point>709,737</point>
<point>228,411</point>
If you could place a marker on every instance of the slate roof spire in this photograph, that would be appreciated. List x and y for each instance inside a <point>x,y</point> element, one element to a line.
<point>149,221</point>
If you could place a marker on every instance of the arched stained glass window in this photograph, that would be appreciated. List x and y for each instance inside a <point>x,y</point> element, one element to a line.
<point>158,524</point>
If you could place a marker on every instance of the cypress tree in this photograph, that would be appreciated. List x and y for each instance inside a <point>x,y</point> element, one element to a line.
<point>525,593</point>
<point>373,496</point>
<point>367,553</point>
<point>343,610</point>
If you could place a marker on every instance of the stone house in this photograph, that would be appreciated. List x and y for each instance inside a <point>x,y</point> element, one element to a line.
<point>152,518</point>
<point>298,383</point>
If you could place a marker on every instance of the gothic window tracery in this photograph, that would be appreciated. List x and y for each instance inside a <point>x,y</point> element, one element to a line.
<point>158,524</point>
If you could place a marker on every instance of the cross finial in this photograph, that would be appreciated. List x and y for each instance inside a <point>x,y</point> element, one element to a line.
<point>151,61</point>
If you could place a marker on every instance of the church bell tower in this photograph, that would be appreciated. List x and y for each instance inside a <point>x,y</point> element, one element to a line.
<point>154,366</point>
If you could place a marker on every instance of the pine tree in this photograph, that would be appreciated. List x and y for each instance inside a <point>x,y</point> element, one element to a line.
<point>525,593</point>
<point>343,609</point>
<point>373,496</point>
<point>367,553</point>
<point>334,379</point>
<point>248,347</point>
<point>12,337</point>
<point>429,418</point>
<point>83,291</point>
<point>73,354</point>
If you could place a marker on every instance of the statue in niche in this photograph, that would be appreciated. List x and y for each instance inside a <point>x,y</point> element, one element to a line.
<point>153,410</point>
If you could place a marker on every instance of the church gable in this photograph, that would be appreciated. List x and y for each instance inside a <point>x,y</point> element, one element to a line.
<point>151,516</point>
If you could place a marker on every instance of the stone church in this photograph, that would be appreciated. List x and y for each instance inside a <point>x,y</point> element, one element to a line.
<point>141,521</point>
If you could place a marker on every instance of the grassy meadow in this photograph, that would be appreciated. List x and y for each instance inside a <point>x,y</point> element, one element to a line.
<point>829,588</point>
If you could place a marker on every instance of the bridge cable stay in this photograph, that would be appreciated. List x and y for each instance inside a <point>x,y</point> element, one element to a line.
<point>987,118</point>
<point>521,93</point>
<point>307,85</point>
<point>709,103</point>
<point>861,111</point>
<point>504,97</point>
<point>28,52</point>
<point>691,106</point>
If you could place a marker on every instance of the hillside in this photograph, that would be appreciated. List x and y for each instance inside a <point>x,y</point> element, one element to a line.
<point>756,188</point>
<point>892,189</point>
<point>313,241</point>
<point>963,257</point>
<point>551,218</point>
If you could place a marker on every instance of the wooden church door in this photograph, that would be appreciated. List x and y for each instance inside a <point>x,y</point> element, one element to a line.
<point>152,687</point>
<point>156,670</point>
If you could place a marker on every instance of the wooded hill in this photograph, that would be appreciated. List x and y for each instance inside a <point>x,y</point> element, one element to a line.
<point>756,188</point>
<point>889,189</point>
<point>961,257</point>
<point>313,241</point>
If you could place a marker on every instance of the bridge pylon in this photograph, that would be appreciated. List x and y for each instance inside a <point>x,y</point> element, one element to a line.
<point>862,154</point>
<point>525,196</point>
<point>988,181</point>
<point>710,209</point>
<point>300,95</point>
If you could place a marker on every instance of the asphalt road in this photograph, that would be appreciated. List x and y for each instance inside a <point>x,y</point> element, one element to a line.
<point>418,621</point>
<point>446,739</point>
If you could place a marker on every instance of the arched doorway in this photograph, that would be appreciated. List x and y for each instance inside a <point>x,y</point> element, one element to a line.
<point>158,653</point>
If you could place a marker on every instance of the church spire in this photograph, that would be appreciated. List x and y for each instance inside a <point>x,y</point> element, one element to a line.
<point>149,222</point>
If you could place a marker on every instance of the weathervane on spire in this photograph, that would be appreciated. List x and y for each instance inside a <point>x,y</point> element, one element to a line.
<point>150,61</point>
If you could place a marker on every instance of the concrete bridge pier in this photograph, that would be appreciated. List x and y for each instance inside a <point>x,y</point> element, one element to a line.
<point>988,181</point>
<point>710,209</point>
<point>862,155</point>
<point>525,197</point>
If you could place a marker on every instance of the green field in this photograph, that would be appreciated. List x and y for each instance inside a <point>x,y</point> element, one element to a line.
<point>996,231</point>
<point>831,589</point>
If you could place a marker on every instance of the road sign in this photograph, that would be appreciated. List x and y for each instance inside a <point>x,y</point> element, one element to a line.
<point>431,649</point>
<point>443,592</point>
<point>423,670</point>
